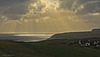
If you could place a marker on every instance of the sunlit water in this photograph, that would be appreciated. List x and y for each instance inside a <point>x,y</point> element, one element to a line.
<point>25,37</point>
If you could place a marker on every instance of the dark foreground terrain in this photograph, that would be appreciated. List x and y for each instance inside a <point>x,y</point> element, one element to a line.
<point>48,48</point>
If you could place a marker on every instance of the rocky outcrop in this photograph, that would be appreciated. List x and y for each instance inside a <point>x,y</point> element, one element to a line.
<point>95,33</point>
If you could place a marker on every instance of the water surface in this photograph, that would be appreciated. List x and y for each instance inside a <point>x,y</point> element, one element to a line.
<point>25,37</point>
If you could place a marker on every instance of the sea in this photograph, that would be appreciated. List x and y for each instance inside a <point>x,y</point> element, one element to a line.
<point>25,37</point>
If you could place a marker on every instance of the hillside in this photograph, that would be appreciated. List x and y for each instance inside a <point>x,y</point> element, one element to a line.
<point>95,33</point>
<point>48,48</point>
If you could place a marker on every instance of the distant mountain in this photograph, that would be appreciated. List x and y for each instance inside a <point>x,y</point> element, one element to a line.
<point>95,33</point>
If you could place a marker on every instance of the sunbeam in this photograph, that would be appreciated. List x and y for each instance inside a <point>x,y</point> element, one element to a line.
<point>49,16</point>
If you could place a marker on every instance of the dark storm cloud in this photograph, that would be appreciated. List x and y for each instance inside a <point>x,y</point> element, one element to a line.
<point>13,8</point>
<point>11,2</point>
<point>67,4</point>
<point>86,9</point>
<point>72,14</point>
<point>81,6</point>
<point>90,8</point>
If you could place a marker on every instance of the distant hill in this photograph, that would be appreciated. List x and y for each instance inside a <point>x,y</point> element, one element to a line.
<point>95,33</point>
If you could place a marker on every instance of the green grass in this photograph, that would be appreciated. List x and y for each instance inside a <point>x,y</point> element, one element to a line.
<point>48,48</point>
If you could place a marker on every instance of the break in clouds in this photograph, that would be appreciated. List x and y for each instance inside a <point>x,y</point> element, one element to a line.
<point>49,15</point>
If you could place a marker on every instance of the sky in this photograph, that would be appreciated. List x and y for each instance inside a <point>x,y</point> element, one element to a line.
<point>49,16</point>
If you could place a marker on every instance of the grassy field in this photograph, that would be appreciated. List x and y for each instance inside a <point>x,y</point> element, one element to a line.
<point>48,48</point>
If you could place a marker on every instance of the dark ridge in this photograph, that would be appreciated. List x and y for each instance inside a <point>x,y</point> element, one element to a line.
<point>95,33</point>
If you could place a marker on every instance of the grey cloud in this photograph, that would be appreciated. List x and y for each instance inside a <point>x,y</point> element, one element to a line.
<point>89,6</point>
<point>82,9</point>
<point>66,4</point>
<point>12,2</point>
<point>92,20</point>
<point>13,8</point>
